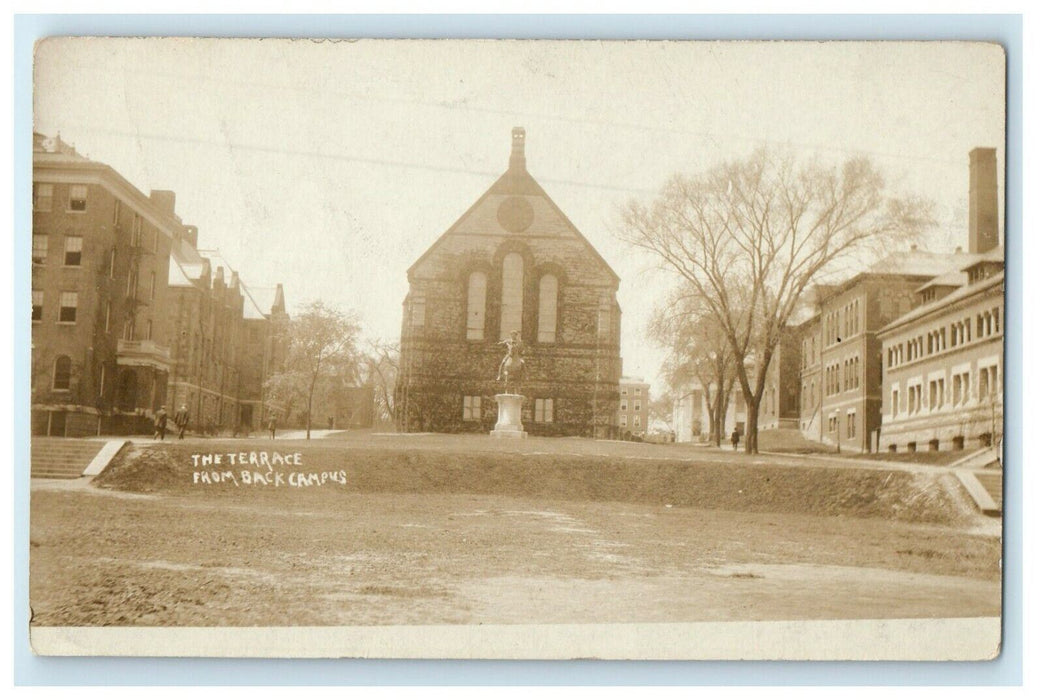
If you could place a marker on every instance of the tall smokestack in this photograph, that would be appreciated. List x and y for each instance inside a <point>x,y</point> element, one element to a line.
<point>982,200</point>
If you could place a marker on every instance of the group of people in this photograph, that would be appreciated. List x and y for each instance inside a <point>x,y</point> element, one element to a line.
<point>181,421</point>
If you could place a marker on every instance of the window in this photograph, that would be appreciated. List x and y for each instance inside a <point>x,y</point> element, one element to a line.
<point>108,315</point>
<point>38,298</point>
<point>511,295</point>
<point>417,308</point>
<point>895,402</point>
<point>152,285</point>
<point>548,320</point>
<point>604,317</point>
<point>623,421</point>
<point>987,382</point>
<point>472,408</point>
<point>101,381</point>
<point>132,285</point>
<point>67,307</point>
<point>543,410</point>
<point>623,405</point>
<point>128,330</point>
<point>850,431</point>
<point>476,326</point>
<point>637,422</point>
<point>112,263</point>
<point>637,405</point>
<point>39,249</point>
<point>136,231</point>
<point>62,373</point>
<point>116,213</point>
<point>43,196</point>
<point>78,198</point>
<point>624,391</point>
<point>73,250</point>
<point>148,329</point>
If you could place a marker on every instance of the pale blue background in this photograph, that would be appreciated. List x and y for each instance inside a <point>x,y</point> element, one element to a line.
<point>1007,670</point>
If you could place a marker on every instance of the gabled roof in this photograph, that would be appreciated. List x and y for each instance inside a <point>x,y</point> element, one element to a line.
<point>515,181</point>
<point>953,278</point>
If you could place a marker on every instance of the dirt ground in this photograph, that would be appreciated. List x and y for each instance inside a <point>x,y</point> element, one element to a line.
<point>154,548</point>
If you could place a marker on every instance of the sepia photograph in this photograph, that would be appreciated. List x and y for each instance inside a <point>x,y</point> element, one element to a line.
<point>521,349</point>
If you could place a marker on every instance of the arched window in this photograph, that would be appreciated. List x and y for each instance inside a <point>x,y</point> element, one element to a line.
<point>511,295</point>
<point>547,324</point>
<point>476,305</point>
<point>62,373</point>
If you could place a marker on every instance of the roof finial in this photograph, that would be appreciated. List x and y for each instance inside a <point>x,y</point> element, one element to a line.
<point>518,149</point>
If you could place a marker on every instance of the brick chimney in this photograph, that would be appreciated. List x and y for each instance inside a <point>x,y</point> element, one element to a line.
<point>518,149</point>
<point>982,200</point>
<point>164,199</point>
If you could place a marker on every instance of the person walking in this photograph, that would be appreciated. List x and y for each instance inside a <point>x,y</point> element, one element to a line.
<point>735,438</point>
<point>161,422</point>
<point>271,426</point>
<point>181,419</point>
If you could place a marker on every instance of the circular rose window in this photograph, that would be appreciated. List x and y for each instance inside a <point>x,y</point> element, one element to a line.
<point>515,214</point>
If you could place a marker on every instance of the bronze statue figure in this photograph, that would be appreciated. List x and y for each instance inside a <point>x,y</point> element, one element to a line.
<point>512,364</point>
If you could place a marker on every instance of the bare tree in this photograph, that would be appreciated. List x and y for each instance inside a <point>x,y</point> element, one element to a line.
<point>382,370</point>
<point>699,353</point>
<point>749,236</point>
<point>322,346</point>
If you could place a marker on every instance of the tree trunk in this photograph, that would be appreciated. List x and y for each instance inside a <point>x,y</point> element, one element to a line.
<point>750,444</point>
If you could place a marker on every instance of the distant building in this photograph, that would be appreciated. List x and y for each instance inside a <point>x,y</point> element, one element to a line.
<point>633,416</point>
<point>943,362</point>
<point>126,314</point>
<point>226,344</point>
<point>513,262</point>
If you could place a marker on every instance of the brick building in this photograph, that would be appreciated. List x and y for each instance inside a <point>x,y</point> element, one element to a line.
<point>943,361</point>
<point>512,262</point>
<point>126,316</point>
<point>633,416</point>
<point>846,384</point>
<point>100,351</point>
<point>225,341</point>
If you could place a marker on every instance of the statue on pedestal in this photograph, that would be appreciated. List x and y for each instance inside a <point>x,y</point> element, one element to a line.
<point>509,405</point>
<point>512,364</point>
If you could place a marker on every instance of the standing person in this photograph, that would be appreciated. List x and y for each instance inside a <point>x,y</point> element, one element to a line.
<point>161,422</point>
<point>181,419</point>
<point>735,438</point>
<point>271,426</point>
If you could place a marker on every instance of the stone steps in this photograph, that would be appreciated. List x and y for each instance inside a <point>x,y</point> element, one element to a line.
<point>993,482</point>
<point>61,458</point>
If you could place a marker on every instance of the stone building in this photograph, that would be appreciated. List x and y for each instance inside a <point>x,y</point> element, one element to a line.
<point>127,315</point>
<point>513,262</point>
<point>633,416</point>
<point>943,362</point>
<point>100,251</point>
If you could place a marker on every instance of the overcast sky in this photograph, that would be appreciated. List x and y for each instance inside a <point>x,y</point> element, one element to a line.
<point>331,166</point>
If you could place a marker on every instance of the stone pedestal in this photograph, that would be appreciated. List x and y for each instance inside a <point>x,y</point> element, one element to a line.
<point>509,417</point>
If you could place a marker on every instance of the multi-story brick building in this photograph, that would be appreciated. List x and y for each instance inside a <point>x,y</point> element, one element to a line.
<point>225,343</point>
<point>943,361</point>
<point>846,385</point>
<point>100,351</point>
<point>633,416</point>
<point>512,262</point>
<point>126,317</point>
